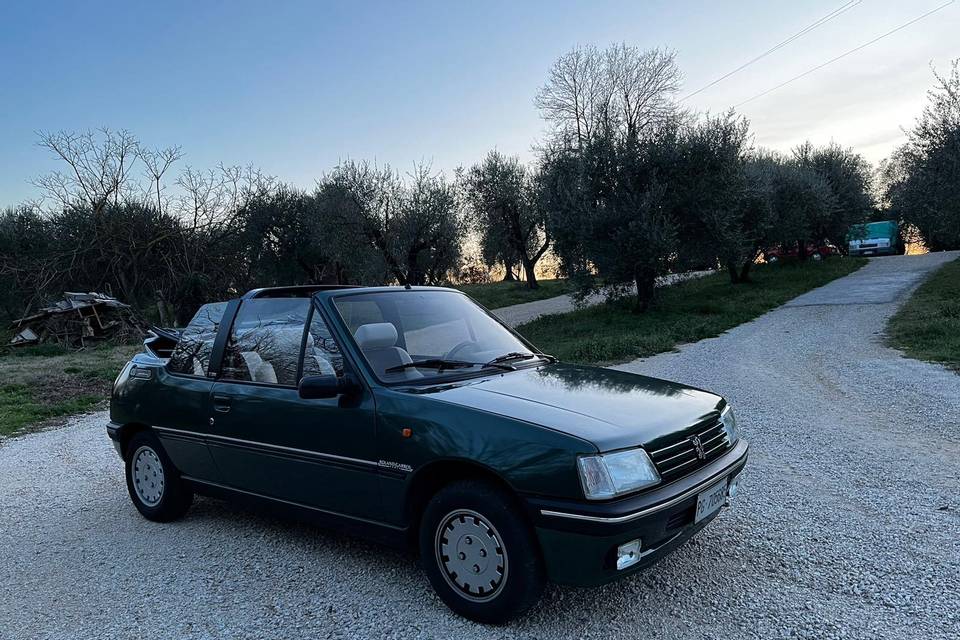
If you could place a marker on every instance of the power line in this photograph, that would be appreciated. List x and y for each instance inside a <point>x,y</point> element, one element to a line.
<point>827,18</point>
<point>845,54</point>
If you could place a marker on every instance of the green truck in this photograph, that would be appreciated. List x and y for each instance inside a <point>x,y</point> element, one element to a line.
<point>875,239</point>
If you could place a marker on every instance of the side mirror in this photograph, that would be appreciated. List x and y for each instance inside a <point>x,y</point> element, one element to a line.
<point>325,386</point>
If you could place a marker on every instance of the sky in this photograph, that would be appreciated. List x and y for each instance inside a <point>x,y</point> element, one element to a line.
<point>295,87</point>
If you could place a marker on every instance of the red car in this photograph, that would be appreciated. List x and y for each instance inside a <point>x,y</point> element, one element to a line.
<point>824,250</point>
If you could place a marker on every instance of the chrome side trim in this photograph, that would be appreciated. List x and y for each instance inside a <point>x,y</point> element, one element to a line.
<point>264,445</point>
<point>649,510</point>
<point>291,503</point>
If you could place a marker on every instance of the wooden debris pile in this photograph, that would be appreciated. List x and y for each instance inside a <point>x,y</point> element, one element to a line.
<point>80,320</point>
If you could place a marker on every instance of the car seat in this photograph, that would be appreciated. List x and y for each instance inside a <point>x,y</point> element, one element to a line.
<point>378,341</point>
<point>260,370</point>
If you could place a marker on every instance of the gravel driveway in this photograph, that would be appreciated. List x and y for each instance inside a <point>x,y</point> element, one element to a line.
<point>848,524</point>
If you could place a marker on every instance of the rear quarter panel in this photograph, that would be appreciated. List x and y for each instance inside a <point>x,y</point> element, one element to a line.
<point>166,400</point>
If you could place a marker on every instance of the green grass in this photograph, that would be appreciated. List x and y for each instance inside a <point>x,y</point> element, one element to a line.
<point>31,351</point>
<point>494,295</point>
<point>45,382</point>
<point>928,326</point>
<point>19,409</point>
<point>685,312</point>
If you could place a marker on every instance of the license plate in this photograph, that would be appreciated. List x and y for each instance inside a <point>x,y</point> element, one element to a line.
<point>868,252</point>
<point>710,500</point>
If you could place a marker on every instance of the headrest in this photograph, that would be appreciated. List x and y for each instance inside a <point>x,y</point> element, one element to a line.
<point>378,335</point>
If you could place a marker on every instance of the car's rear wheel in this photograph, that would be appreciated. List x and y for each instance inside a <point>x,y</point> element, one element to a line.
<point>479,553</point>
<point>153,482</point>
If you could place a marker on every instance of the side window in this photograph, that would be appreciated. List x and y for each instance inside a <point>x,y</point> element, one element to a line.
<point>321,354</point>
<point>192,353</point>
<point>264,341</point>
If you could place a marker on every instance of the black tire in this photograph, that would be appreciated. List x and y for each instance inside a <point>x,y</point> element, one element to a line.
<point>173,495</point>
<point>506,547</point>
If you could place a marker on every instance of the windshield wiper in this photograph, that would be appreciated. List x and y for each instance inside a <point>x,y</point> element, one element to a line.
<point>517,355</point>
<point>513,355</point>
<point>433,363</point>
<point>440,364</point>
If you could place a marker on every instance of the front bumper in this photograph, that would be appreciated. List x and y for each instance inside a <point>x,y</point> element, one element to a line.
<point>113,431</point>
<point>872,251</point>
<point>579,539</point>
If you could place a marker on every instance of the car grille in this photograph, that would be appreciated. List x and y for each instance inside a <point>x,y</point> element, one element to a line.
<point>680,457</point>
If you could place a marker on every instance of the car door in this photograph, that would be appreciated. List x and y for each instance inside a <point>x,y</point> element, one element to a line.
<point>267,440</point>
<point>180,400</point>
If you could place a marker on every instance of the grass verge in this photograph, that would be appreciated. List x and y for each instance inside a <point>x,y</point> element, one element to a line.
<point>927,327</point>
<point>494,295</point>
<point>685,312</point>
<point>46,382</point>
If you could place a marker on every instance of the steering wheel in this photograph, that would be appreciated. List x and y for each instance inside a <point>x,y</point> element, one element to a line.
<point>460,347</point>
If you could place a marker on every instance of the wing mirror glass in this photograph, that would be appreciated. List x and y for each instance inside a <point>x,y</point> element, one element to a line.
<point>326,386</point>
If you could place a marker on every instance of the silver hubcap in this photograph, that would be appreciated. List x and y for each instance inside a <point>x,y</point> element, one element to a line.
<point>147,476</point>
<point>471,555</point>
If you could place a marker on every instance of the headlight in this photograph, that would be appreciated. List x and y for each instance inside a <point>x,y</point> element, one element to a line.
<point>612,474</point>
<point>730,425</point>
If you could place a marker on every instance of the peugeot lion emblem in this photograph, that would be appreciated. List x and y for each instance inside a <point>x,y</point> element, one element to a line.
<point>695,441</point>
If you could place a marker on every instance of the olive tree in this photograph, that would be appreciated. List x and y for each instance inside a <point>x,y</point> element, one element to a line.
<point>289,238</point>
<point>750,228</point>
<point>506,201</point>
<point>849,178</point>
<point>923,176</point>
<point>702,162</point>
<point>802,202</point>
<point>415,227</point>
<point>613,216</point>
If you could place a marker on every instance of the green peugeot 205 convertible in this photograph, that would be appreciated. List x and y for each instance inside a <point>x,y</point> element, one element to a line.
<point>414,416</point>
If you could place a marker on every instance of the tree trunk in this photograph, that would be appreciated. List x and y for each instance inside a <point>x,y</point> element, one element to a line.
<point>646,284</point>
<point>416,278</point>
<point>734,272</point>
<point>162,311</point>
<point>745,271</point>
<point>529,268</point>
<point>802,250</point>
<point>509,275</point>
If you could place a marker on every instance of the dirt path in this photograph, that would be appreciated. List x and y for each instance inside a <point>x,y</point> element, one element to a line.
<point>518,314</point>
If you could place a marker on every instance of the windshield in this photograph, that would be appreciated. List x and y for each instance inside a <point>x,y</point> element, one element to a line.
<point>873,230</point>
<point>406,335</point>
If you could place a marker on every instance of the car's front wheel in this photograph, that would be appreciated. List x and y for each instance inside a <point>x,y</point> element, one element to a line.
<point>153,482</point>
<point>479,553</point>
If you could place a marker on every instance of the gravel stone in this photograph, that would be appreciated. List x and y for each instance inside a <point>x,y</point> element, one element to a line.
<point>847,524</point>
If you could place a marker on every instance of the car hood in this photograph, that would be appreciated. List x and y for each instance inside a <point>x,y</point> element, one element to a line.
<point>611,409</point>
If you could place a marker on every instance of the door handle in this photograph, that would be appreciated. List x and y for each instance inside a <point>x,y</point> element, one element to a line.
<point>221,403</point>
